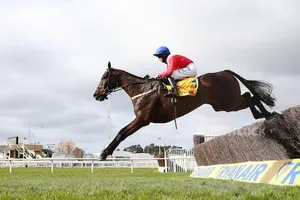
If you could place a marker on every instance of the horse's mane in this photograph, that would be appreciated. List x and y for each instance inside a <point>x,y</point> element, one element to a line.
<point>146,78</point>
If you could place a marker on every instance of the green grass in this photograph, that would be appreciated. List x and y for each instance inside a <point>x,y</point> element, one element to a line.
<point>39,183</point>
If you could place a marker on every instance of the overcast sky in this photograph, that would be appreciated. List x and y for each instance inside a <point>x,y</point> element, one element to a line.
<point>53,54</point>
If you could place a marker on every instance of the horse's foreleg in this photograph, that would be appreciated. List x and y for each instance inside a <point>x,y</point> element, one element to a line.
<point>132,127</point>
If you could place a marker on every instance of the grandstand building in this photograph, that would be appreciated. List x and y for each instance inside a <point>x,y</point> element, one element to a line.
<point>15,149</point>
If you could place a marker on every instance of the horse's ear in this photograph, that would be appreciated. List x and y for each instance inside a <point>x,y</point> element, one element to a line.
<point>146,77</point>
<point>109,65</point>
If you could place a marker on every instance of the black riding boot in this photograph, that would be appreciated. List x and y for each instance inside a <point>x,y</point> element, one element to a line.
<point>173,84</point>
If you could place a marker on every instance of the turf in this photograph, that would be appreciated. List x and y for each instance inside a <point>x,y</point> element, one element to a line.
<point>113,184</point>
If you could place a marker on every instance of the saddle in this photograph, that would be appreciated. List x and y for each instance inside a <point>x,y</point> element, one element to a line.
<point>185,87</point>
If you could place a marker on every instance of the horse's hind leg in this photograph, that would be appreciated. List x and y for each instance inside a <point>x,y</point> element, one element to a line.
<point>256,113</point>
<point>246,101</point>
<point>265,114</point>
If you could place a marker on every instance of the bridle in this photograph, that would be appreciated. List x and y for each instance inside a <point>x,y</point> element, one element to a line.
<point>107,90</point>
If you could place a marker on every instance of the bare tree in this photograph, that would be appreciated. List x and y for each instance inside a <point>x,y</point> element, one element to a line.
<point>78,152</point>
<point>65,147</point>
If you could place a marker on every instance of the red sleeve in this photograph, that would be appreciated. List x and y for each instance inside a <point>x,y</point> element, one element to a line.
<point>170,68</point>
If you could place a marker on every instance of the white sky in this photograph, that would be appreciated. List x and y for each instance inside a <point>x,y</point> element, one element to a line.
<point>53,54</point>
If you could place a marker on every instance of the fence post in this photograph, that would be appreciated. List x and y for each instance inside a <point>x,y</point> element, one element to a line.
<point>52,165</point>
<point>92,167</point>
<point>131,165</point>
<point>10,166</point>
<point>166,163</point>
<point>174,165</point>
<point>185,162</point>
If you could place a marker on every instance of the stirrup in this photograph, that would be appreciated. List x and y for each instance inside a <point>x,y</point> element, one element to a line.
<point>172,95</point>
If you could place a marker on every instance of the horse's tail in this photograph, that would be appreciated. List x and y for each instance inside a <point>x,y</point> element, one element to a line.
<point>260,89</point>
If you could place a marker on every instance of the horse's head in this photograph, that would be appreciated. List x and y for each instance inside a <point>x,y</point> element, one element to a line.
<point>108,83</point>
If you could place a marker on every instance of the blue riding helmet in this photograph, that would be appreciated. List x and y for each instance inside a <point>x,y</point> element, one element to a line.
<point>162,50</point>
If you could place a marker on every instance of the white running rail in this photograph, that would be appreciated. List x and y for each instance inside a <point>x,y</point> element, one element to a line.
<point>180,160</point>
<point>91,163</point>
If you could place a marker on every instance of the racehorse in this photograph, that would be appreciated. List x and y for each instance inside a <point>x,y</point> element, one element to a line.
<point>220,89</point>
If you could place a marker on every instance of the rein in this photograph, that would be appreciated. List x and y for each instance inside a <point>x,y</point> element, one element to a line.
<point>108,91</point>
<point>118,88</point>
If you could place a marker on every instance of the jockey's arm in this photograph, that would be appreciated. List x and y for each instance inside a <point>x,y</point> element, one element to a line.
<point>170,68</point>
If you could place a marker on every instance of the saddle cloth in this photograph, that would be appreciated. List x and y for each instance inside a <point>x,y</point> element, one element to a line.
<point>186,87</point>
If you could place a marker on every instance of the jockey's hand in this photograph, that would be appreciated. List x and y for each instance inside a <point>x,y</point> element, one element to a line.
<point>156,77</point>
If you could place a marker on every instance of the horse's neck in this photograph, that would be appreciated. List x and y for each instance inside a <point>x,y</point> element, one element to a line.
<point>131,83</point>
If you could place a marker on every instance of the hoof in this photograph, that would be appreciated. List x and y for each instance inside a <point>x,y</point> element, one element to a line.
<point>102,157</point>
<point>272,115</point>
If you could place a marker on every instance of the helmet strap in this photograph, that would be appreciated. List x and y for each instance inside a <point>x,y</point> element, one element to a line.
<point>164,58</point>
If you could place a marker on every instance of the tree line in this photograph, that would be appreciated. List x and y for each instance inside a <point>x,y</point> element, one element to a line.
<point>151,148</point>
<point>69,148</point>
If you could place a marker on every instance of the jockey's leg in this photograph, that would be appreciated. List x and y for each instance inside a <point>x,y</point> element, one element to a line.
<point>188,71</point>
<point>180,74</point>
<point>175,91</point>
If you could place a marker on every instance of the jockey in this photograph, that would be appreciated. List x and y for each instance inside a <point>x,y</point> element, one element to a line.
<point>178,68</point>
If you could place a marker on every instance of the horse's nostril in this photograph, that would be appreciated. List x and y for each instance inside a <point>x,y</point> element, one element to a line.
<point>94,95</point>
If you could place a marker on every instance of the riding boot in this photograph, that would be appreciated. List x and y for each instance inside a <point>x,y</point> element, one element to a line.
<point>173,84</point>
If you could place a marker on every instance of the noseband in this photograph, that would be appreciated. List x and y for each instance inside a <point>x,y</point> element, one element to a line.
<point>107,90</point>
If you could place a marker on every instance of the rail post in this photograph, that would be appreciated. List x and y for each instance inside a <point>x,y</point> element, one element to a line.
<point>92,167</point>
<point>10,166</point>
<point>131,165</point>
<point>52,165</point>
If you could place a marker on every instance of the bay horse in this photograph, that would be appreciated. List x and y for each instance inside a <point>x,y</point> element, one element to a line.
<point>221,90</point>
